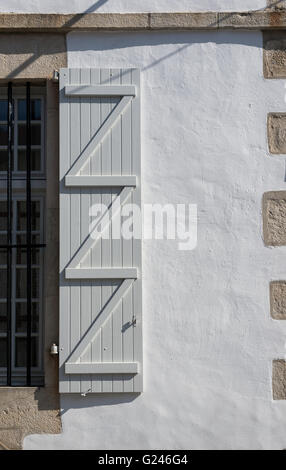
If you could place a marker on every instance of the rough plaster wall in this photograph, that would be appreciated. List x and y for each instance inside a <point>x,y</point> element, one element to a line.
<point>121,6</point>
<point>209,339</point>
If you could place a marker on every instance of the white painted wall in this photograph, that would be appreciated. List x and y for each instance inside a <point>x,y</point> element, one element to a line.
<point>209,340</point>
<point>121,6</point>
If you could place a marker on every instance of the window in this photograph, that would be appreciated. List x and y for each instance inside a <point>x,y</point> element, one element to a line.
<point>19,136</point>
<point>22,208</point>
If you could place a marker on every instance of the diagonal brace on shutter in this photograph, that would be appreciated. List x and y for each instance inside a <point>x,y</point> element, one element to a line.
<point>93,330</point>
<point>94,237</point>
<point>100,134</point>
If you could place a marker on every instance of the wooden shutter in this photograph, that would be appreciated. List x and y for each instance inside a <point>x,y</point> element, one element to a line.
<point>100,278</point>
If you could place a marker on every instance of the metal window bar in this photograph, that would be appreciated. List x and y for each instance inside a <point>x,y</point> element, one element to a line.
<point>9,235</point>
<point>28,235</point>
<point>29,245</point>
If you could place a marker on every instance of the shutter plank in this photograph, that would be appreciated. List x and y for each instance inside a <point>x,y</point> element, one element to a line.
<point>106,148</point>
<point>117,380</point>
<point>137,245</point>
<point>96,249</point>
<point>85,286</point>
<point>75,311</point>
<point>65,233</point>
<point>127,244</point>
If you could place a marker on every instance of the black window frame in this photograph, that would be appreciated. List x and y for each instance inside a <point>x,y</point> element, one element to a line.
<point>29,246</point>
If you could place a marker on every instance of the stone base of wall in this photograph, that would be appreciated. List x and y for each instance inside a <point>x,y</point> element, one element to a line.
<point>26,411</point>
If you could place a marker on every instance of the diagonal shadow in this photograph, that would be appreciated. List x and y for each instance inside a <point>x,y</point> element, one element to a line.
<point>69,23</point>
<point>79,16</point>
<point>276,4</point>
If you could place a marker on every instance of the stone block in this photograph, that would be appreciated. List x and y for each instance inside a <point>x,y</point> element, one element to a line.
<point>274,218</point>
<point>276,131</point>
<point>278,300</point>
<point>274,54</point>
<point>279,379</point>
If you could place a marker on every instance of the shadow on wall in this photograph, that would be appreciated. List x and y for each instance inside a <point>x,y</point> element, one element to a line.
<point>278,4</point>
<point>130,39</point>
<point>31,55</point>
<point>35,50</point>
<point>184,39</point>
<point>26,410</point>
<point>77,401</point>
<point>162,37</point>
<point>47,398</point>
<point>79,16</point>
<point>274,5</point>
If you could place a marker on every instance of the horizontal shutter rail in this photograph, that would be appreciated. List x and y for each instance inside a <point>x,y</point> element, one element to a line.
<point>100,90</point>
<point>100,181</point>
<point>101,273</point>
<point>101,368</point>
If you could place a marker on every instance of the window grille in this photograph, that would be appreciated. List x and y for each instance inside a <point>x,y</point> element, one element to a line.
<point>22,206</point>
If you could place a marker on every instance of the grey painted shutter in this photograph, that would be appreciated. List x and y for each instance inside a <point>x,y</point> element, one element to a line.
<point>100,278</point>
